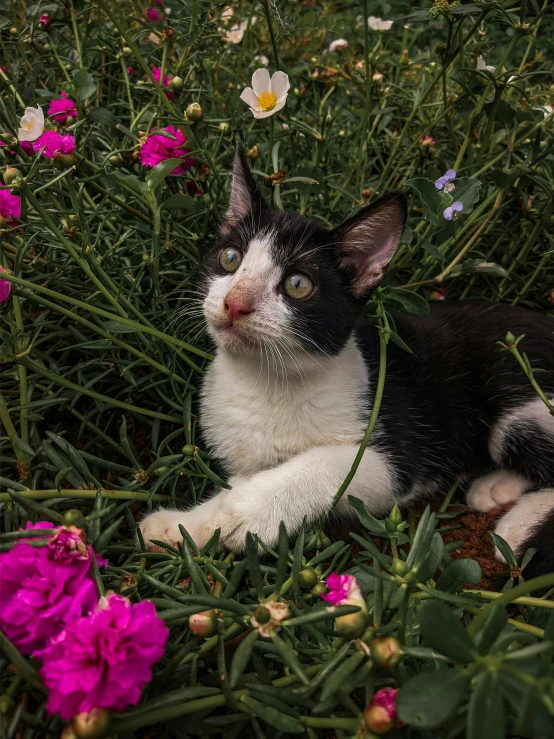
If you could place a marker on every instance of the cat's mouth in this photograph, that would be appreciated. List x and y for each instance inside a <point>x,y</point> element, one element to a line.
<point>235,336</point>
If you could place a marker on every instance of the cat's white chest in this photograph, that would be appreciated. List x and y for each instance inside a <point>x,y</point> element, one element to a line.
<point>253,420</point>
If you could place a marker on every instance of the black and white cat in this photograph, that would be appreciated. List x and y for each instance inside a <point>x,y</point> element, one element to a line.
<point>286,400</point>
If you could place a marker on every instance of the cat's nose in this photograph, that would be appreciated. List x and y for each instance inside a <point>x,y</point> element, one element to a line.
<point>235,310</point>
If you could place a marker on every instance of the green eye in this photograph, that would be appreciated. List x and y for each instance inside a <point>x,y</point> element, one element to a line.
<point>230,259</point>
<point>298,286</point>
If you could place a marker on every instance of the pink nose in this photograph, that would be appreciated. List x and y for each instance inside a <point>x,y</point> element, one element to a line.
<point>235,310</point>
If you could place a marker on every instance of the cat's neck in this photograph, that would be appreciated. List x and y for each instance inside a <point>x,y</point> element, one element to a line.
<point>272,365</point>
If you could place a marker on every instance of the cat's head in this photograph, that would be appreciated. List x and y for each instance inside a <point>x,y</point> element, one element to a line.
<point>285,279</point>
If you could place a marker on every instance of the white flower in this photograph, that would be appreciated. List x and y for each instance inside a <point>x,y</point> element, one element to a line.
<point>378,24</point>
<point>262,59</point>
<point>339,43</point>
<point>481,65</point>
<point>267,95</point>
<point>227,14</point>
<point>31,125</point>
<point>235,34</point>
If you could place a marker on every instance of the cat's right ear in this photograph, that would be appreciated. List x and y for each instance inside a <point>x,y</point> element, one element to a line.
<point>245,197</point>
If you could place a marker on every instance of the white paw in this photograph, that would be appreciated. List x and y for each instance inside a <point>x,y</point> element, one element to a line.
<point>519,524</point>
<point>496,490</point>
<point>163,526</point>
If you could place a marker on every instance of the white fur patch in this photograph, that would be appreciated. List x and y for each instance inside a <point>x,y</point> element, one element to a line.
<point>255,414</point>
<point>257,280</point>
<point>498,489</point>
<point>535,411</point>
<point>303,486</point>
<point>518,525</point>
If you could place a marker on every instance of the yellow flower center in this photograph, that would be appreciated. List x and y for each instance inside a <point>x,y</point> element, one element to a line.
<point>267,100</point>
<point>29,126</point>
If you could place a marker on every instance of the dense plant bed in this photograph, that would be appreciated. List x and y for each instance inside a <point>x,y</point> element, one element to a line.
<point>109,203</point>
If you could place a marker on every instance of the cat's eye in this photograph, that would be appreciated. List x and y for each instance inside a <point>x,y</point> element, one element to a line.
<point>297,286</point>
<point>230,259</point>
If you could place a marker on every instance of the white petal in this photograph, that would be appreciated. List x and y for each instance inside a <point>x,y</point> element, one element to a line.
<point>40,118</point>
<point>24,135</point>
<point>280,84</point>
<point>480,62</point>
<point>266,113</point>
<point>248,96</point>
<point>260,81</point>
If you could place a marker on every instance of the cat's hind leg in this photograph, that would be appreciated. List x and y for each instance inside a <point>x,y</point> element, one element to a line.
<point>522,445</point>
<point>530,523</point>
<point>496,490</point>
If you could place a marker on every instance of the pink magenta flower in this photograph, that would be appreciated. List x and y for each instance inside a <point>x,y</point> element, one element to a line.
<point>10,207</point>
<point>380,713</point>
<point>5,287</point>
<point>130,71</point>
<point>54,143</point>
<point>62,108</point>
<point>105,659</point>
<point>154,15</point>
<point>158,148</point>
<point>157,72</point>
<point>44,21</point>
<point>427,141</point>
<point>340,587</point>
<point>43,589</point>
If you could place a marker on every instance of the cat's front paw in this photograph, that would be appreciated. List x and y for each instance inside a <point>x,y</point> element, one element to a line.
<point>163,526</point>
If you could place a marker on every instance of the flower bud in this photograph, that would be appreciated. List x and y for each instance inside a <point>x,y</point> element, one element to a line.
<point>395,516</point>
<point>44,21</point>
<point>399,567</point>
<point>73,517</point>
<point>319,588</point>
<point>308,578</point>
<point>262,615</point>
<point>386,651</point>
<point>63,161</point>
<point>70,120</point>
<point>510,339</point>
<point>176,85</point>
<point>160,471</point>
<point>116,160</point>
<point>13,31</point>
<point>13,177</point>
<point>203,624</point>
<point>253,153</point>
<point>224,127</point>
<point>92,724</point>
<point>194,112</point>
<point>126,51</point>
<point>189,449</point>
<point>380,714</point>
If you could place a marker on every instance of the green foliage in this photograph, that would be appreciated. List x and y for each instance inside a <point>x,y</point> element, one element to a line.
<point>103,349</point>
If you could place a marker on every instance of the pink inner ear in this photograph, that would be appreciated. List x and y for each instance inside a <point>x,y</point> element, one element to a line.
<point>369,245</point>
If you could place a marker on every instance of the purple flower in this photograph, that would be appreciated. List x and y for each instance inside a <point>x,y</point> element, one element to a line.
<point>340,587</point>
<point>44,21</point>
<point>154,15</point>
<point>105,659</point>
<point>157,72</point>
<point>130,71</point>
<point>10,207</point>
<point>54,143</point>
<point>158,148</point>
<point>62,109</point>
<point>380,713</point>
<point>5,287</point>
<point>451,211</point>
<point>43,590</point>
<point>441,182</point>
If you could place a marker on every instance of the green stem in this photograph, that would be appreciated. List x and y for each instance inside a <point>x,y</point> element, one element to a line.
<point>373,417</point>
<point>89,494</point>
<point>265,4</point>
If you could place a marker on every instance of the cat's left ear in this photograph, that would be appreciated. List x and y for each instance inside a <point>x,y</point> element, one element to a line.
<point>369,240</point>
<point>245,198</point>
